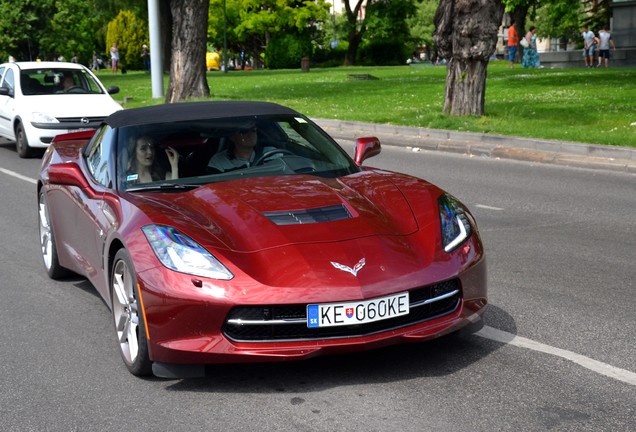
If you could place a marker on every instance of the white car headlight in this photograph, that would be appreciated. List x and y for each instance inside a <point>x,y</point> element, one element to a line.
<point>455,223</point>
<point>40,117</point>
<point>180,253</point>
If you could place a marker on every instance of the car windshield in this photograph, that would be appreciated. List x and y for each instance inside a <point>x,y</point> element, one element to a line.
<point>189,154</point>
<point>48,81</point>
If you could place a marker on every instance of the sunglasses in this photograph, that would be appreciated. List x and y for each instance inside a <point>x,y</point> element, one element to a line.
<point>146,147</point>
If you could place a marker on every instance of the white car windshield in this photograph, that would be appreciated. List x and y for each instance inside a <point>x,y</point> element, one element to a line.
<point>61,81</point>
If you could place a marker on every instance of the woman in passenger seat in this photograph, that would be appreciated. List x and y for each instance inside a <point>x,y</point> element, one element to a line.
<point>143,167</point>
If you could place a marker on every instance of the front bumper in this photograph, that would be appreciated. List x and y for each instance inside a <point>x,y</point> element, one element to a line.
<point>189,331</point>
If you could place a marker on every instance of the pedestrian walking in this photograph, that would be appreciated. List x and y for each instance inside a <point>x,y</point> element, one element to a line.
<point>513,41</point>
<point>530,53</point>
<point>145,57</point>
<point>605,41</point>
<point>114,57</point>
<point>589,44</point>
<point>94,64</point>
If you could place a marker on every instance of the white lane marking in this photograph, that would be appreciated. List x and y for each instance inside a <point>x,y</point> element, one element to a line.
<point>591,364</point>
<point>487,207</point>
<point>20,176</point>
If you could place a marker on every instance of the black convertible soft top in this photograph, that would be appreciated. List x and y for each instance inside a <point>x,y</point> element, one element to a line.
<point>168,113</point>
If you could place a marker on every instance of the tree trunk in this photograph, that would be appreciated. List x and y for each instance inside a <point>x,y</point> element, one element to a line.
<point>465,87</point>
<point>355,32</point>
<point>466,36</point>
<point>352,49</point>
<point>189,37</point>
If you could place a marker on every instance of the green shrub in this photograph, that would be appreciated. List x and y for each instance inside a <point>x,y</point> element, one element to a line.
<point>130,32</point>
<point>284,51</point>
<point>330,57</point>
<point>382,53</point>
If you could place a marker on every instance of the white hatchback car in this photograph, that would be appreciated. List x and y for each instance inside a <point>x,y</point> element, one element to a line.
<point>39,100</point>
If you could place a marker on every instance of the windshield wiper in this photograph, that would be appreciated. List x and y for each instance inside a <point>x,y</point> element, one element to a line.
<point>164,187</point>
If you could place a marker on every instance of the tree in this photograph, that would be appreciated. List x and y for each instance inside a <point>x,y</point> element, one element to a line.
<point>466,36</point>
<point>46,29</point>
<point>252,23</point>
<point>355,30</point>
<point>22,25</point>
<point>381,22</point>
<point>559,19</point>
<point>285,50</point>
<point>421,24</point>
<point>189,44</point>
<point>72,30</point>
<point>387,38</point>
<point>518,11</point>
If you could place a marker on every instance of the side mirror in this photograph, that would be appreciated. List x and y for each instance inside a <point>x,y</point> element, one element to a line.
<point>366,147</point>
<point>113,90</point>
<point>4,91</point>
<point>67,174</point>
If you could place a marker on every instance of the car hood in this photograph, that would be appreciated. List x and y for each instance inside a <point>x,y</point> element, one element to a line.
<point>249,216</point>
<point>71,105</point>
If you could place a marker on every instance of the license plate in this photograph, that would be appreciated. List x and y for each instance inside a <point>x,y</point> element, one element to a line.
<point>359,312</point>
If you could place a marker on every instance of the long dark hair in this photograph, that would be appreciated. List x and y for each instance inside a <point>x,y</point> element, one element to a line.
<point>156,172</point>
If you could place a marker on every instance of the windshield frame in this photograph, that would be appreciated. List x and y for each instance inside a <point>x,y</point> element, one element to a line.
<point>299,145</point>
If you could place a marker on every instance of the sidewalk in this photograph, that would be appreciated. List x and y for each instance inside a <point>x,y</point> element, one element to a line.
<point>495,146</point>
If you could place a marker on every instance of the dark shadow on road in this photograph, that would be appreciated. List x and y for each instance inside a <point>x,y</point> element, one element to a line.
<point>439,357</point>
<point>9,146</point>
<point>83,284</point>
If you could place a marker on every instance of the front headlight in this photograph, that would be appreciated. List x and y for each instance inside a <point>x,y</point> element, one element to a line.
<point>454,221</point>
<point>40,117</point>
<point>180,253</point>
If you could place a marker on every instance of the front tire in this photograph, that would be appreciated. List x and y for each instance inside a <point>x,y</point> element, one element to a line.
<point>47,241</point>
<point>21,142</point>
<point>128,317</point>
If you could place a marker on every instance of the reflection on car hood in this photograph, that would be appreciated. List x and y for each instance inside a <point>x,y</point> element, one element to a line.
<point>71,105</point>
<point>242,215</point>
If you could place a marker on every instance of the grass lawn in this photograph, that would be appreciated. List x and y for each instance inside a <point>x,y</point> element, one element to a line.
<point>584,105</point>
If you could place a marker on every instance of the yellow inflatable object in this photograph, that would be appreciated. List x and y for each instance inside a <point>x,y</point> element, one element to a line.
<point>213,61</point>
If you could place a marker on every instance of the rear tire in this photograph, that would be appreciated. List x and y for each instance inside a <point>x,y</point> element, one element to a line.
<point>47,242</point>
<point>21,142</point>
<point>128,317</point>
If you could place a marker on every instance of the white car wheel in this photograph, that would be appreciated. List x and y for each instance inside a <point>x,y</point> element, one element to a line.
<point>22,143</point>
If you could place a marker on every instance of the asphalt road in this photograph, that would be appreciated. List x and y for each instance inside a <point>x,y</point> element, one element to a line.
<point>558,352</point>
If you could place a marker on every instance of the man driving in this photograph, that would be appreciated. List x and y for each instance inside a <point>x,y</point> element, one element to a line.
<point>242,151</point>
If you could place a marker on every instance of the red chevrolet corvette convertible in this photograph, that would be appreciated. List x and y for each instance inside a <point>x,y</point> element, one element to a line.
<point>222,232</point>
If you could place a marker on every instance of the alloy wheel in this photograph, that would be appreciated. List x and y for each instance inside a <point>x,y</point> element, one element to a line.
<point>46,241</point>
<point>125,311</point>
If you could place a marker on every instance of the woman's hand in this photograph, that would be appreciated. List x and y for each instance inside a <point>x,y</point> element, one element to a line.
<point>173,158</point>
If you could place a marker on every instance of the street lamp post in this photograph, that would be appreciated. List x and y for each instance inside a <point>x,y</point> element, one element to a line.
<point>156,66</point>
<point>224,39</point>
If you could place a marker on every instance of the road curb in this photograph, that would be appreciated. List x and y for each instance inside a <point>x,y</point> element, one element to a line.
<point>486,145</point>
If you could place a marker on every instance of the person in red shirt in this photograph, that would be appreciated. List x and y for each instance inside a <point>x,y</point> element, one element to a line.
<point>513,41</point>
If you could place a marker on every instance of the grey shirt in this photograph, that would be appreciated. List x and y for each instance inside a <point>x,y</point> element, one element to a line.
<point>223,162</point>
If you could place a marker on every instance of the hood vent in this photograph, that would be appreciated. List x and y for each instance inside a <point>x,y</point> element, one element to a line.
<point>317,215</point>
